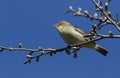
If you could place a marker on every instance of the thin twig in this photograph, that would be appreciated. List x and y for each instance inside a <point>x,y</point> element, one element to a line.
<point>54,51</point>
<point>104,19</point>
<point>106,15</point>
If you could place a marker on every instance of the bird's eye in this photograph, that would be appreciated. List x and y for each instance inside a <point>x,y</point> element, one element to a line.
<point>60,24</point>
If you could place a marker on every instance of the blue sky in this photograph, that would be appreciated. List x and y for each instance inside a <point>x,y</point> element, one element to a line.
<point>30,22</point>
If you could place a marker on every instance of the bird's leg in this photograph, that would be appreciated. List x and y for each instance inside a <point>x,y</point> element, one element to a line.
<point>73,47</point>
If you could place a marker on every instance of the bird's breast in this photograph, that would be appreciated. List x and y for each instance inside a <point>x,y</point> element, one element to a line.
<point>72,37</point>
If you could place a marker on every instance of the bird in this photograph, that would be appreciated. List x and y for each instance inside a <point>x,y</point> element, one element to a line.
<point>73,35</point>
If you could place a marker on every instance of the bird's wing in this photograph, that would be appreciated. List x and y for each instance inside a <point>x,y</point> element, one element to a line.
<point>79,30</point>
<point>82,32</point>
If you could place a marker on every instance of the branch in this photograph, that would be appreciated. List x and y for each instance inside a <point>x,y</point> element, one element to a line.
<point>103,16</point>
<point>115,23</point>
<point>71,49</point>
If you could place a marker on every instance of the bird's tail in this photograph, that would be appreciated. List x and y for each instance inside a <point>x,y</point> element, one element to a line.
<point>101,50</point>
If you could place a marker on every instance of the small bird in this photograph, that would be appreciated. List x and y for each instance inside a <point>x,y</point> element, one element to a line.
<point>73,35</point>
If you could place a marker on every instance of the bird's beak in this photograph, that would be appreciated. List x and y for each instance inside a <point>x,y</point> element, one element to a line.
<point>55,26</point>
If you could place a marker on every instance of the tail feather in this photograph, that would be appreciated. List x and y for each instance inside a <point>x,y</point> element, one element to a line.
<point>101,50</point>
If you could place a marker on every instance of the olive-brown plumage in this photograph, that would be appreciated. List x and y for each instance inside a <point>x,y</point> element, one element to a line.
<point>73,35</point>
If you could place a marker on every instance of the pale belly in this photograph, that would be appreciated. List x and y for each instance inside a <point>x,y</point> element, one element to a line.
<point>76,38</point>
<point>73,38</point>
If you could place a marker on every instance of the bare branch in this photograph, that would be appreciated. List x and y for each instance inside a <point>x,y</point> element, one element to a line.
<point>69,49</point>
<point>102,15</point>
<point>106,15</point>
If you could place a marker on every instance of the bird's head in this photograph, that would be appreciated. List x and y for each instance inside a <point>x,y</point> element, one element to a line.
<point>62,24</point>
